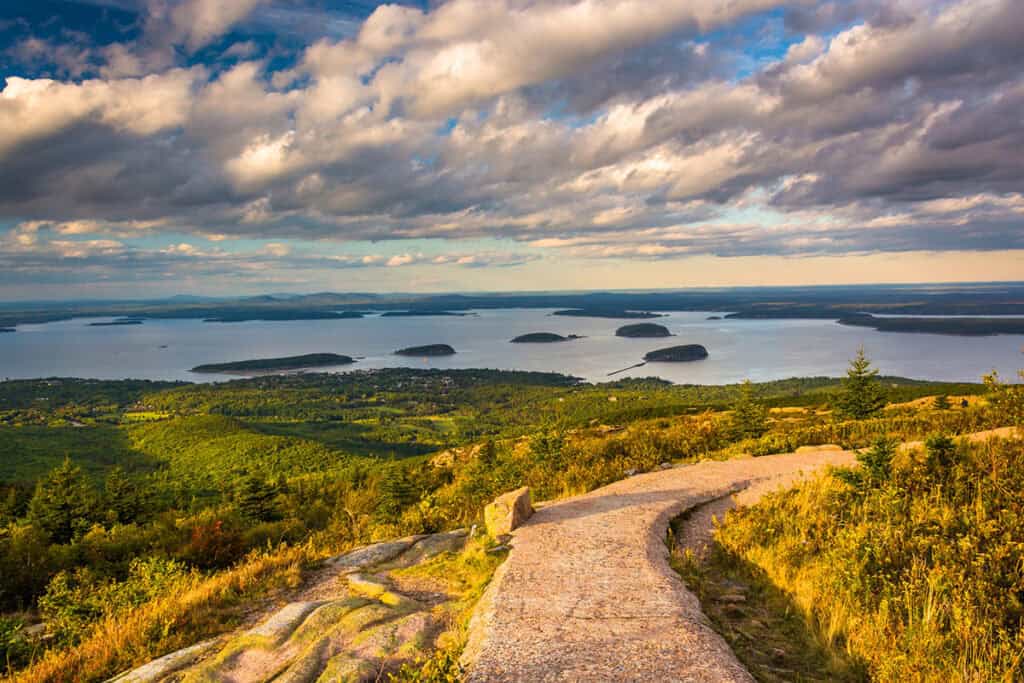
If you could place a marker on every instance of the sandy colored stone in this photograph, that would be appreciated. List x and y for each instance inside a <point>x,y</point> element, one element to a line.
<point>508,512</point>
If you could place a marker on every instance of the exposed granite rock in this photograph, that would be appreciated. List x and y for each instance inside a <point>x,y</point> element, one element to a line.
<point>508,512</point>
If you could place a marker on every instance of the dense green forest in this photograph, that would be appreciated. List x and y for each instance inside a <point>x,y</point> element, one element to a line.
<point>115,494</point>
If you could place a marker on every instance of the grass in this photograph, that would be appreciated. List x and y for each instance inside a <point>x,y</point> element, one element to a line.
<point>917,571</point>
<point>775,639</point>
<point>199,608</point>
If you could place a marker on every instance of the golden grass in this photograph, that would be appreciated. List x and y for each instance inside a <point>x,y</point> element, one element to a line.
<point>201,607</point>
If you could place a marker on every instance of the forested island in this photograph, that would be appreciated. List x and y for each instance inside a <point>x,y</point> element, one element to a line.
<point>607,313</point>
<point>309,360</point>
<point>117,323</point>
<point>6,329</point>
<point>543,338</point>
<point>419,314</point>
<point>427,350</point>
<point>278,315</point>
<point>677,354</point>
<point>643,331</point>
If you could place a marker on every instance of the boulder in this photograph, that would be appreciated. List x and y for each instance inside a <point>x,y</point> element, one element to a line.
<point>508,512</point>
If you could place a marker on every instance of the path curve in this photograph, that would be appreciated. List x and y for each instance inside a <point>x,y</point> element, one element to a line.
<point>587,593</point>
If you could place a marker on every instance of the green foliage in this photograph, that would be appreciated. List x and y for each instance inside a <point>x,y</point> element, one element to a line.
<point>941,402</point>
<point>920,575</point>
<point>749,416</point>
<point>441,667</point>
<point>75,600</point>
<point>255,498</point>
<point>64,503</point>
<point>1007,400</point>
<point>122,497</point>
<point>15,648</point>
<point>862,395</point>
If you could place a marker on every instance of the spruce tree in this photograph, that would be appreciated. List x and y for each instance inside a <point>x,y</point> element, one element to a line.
<point>256,498</point>
<point>861,395</point>
<point>396,493</point>
<point>122,496</point>
<point>749,416</point>
<point>941,402</point>
<point>63,504</point>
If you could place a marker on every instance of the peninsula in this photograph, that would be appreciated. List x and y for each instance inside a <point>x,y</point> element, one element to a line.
<point>607,313</point>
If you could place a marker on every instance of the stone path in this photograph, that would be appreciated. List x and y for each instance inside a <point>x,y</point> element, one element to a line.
<point>587,593</point>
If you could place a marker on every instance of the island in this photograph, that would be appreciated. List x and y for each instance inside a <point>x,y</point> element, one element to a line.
<point>259,365</point>
<point>425,351</point>
<point>417,314</point>
<point>279,315</point>
<point>714,317</point>
<point>6,329</point>
<point>543,338</point>
<point>608,313</point>
<point>677,354</point>
<point>117,323</point>
<point>964,327</point>
<point>643,331</point>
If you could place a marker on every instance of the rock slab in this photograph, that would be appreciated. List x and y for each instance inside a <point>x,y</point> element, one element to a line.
<point>508,512</point>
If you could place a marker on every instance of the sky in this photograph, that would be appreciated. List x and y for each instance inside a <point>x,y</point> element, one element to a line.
<point>158,147</point>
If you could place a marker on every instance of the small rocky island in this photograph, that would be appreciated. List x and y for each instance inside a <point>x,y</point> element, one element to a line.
<point>643,331</point>
<point>677,354</point>
<point>543,338</point>
<point>261,365</point>
<point>429,350</point>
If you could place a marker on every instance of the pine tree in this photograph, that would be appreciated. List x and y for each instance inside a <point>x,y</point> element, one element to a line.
<point>256,498</point>
<point>63,503</point>
<point>396,493</point>
<point>941,402</point>
<point>121,496</point>
<point>749,416</point>
<point>862,395</point>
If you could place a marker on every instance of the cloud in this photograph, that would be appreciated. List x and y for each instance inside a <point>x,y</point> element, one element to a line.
<point>583,128</point>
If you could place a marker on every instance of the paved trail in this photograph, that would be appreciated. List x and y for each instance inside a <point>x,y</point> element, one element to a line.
<point>587,593</point>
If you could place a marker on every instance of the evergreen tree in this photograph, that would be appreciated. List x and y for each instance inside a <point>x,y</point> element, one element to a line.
<point>749,416</point>
<point>862,395</point>
<point>63,503</point>
<point>122,497</point>
<point>396,494</point>
<point>941,402</point>
<point>256,498</point>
